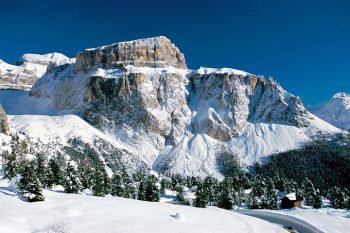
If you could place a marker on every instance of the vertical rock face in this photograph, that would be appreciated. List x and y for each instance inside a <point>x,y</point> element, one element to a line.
<point>150,52</point>
<point>226,100</point>
<point>4,125</point>
<point>151,103</point>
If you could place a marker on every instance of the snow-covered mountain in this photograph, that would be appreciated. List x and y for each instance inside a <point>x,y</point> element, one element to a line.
<point>29,68</point>
<point>336,111</point>
<point>144,102</point>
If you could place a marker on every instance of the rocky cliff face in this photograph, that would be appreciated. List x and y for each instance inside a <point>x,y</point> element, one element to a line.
<point>151,52</point>
<point>4,124</point>
<point>28,69</point>
<point>141,94</point>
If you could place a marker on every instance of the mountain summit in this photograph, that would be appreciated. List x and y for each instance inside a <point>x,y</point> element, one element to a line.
<point>336,111</point>
<point>145,108</point>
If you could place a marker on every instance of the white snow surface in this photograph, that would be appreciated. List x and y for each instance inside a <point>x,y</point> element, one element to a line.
<point>30,68</point>
<point>206,70</point>
<point>335,111</point>
<point>55,58</point>
<point>326,219</point>
<point>85,214</point>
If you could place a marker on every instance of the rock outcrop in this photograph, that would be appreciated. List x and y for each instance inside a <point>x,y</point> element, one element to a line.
<point>28,69</point>
<point>151,52</point>
<point>4,124</point>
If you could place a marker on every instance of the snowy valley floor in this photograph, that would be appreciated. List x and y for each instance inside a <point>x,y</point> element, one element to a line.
<point>84,213</point>
<point>328,220</point>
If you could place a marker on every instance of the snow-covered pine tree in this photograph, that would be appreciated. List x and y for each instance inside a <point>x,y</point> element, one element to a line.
<point>117,186</point>
<point>180,199</point>
<point>40,166</point>
<point>317,200</point>
<point>141,193</point>
<point>271,195</point>
<point>309,192</point>
<point>152,190</point>
<point>86,174</point>
<point>226,198</point>
<point>29,183</point>
<point>338,198</point>
<point>53,174</point>
<point>165,183</point>
<point>201,200</point>
<point>211,188</point>
<point>254,201</point>
<point>71,183</point>
<point>101,182</point>
<point>10,164</point>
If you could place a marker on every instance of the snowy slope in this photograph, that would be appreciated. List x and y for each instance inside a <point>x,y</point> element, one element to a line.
<point>28,69</point>
<point>325,219</point>
<point>336,111</point>
<point>80,213</point>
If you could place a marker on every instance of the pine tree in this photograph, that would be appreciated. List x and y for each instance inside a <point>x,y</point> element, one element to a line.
<point>211,188</point>
<point>141,194</point>
<point>117,186</point>
<point>317,200</point>
<point>152,191</point>
<point>309,192</point>
<point>86,174</point>
<point>29,183</point>
<point>338,198</point>
<point>271,196</point>
<point>10,164</point>
<point>226,198</point>
<point>54,174</point>
<point>40,166</point>
<point>254,201</point>
<point>165,183</point>
<point>101,182</point>
<point>180,199</point>
<point>72,183</point>
<point>201,200</point>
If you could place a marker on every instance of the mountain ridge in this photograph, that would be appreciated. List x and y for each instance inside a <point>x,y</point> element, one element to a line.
<point>141,95</point>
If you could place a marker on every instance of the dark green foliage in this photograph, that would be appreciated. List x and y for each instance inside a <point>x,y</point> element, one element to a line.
<point>271,196</point>
<point>176,180</point>
<point>201,200</point>
<point>309,192</point>
<point>101,182</point>
<point>165,183</point>
<point>228,163</point>
<point>152,191</point>
<point>211,188</point>
<point>180,199</point>
<point>86,174</point>
<point>338,198</point>
<point>226,198</point>
<point>325,162</point>
<point>29,183</point>
<point>141,194</point>
<point>117,186</point>
<point>40,164</point>
<point>53,174</point>
<point>71,183</point>
<point>10,164</point>
<point>317,200</point>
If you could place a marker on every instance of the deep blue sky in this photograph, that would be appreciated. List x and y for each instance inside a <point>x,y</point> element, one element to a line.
<point>304,45</point>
